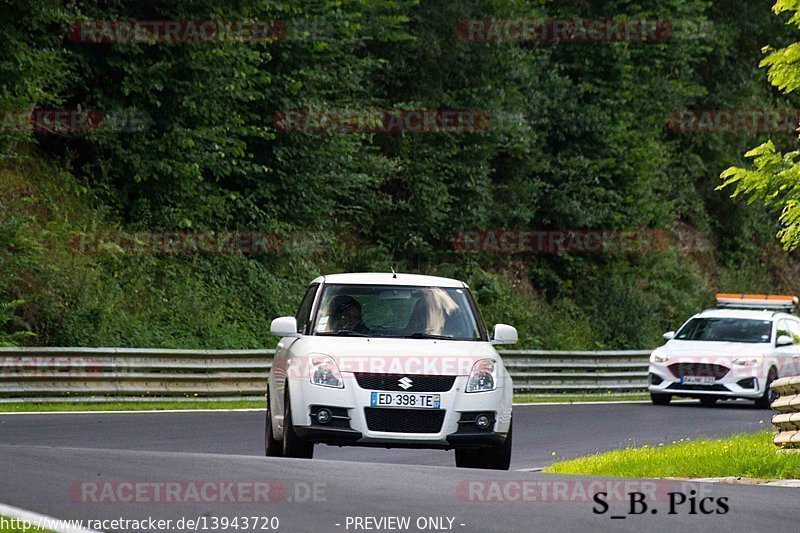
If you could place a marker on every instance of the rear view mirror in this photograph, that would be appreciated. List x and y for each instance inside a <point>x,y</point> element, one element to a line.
<point>668,336</point>
<point>395,294</point>
<point>285,326</point>
<point>504,334</point>
<point>784,340</point>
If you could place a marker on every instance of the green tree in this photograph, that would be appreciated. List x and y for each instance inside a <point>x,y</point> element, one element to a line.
<point>774,177</point>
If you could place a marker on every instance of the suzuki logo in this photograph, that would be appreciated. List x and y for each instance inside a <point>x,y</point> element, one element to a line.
<point>404,383</point>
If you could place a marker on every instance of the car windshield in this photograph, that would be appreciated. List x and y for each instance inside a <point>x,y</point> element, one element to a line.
<point>397,312</point>
<point>726,330</point>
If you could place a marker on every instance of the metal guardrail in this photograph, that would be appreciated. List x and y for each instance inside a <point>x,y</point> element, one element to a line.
<point>107,374</point>
<point>788,418</point>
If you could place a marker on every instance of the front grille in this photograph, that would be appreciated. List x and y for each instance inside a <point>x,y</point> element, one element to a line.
<point>698,369</point>
<point>709,388</point>
<point>404,420</point>
<point>416,382</point>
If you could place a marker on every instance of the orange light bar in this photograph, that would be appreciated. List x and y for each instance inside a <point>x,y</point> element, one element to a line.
<point>757,297</point>
<point>765,301</point>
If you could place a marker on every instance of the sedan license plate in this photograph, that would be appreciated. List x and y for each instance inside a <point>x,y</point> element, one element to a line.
<point>698,380</point>
<point>402,399</point>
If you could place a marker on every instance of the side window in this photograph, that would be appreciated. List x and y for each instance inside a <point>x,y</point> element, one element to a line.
<point>304,312</point>
<point>783,329</point>
<point>794,329</point>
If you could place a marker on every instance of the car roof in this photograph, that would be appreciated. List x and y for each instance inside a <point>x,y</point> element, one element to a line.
<point>389,278</point>
<point>755,314</point>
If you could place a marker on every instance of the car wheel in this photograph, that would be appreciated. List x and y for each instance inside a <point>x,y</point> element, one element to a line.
<point>490,458</point>
<point>708,401</point>
<point>765,402</point>
<point>293,446</point>
<point>660,399</point>
<point>272,446</point>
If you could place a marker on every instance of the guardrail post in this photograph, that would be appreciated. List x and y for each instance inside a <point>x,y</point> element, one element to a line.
<point>787,421</point>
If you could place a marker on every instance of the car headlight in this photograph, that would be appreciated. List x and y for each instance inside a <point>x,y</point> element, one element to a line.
<point>658,358</point>
<point>324,371</point>
<point>747,361</point>
<point>483,376</point>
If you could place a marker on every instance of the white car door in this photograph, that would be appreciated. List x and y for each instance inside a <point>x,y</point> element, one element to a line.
<point>793,363</point>
<point>784,355</point>
<point>283,353</point>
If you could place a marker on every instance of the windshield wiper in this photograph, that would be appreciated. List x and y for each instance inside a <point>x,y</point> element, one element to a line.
<point>346,333</point>
<point>423,335</point>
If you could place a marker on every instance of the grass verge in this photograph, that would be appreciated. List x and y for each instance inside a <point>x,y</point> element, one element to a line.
<point>748,455</point>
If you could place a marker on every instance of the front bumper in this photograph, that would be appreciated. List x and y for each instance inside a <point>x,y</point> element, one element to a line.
<point>350,437</point>
<point>739,382</point>
<point>455,430</point>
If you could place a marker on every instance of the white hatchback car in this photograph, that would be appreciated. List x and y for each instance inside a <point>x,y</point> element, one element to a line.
<point>734,351</point>
<point>390,360</point>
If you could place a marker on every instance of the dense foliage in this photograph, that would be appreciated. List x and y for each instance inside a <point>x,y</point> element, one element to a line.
<point>577,138</point>
<point>775,180</point>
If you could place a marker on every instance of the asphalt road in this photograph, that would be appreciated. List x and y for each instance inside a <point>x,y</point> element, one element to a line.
<point>76,466</point>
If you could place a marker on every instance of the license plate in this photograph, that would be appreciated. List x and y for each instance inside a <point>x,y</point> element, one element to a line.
<point>402,399</point>
<point>698,380</point>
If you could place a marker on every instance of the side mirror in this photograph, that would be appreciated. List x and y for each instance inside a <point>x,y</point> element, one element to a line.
<point>504,334</point>
<point>784,340</point>
<point>285,326</point>
<point>668,336</point>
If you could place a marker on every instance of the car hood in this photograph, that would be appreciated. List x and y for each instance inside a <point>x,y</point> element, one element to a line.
<point>397,356</point>
<point>705,349</point>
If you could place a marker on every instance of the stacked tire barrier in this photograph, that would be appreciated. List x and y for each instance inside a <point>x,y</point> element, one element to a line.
<point>109,374</point>
<point>788,418</point>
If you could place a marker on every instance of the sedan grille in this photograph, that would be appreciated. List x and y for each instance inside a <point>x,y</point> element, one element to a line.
<point>698,369</point>
<point>707,388</point>
<point>405,382</point>
<point>404,420</point>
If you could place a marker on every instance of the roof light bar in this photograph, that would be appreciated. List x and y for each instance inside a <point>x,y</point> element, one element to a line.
<point>757,301</point>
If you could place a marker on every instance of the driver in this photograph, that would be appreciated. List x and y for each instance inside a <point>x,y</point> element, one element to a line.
<point>346,315</point>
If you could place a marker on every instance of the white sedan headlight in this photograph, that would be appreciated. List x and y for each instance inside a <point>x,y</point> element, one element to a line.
<point>324,371</point>
<point>658,358</point>
<point>483,376</point>
<point>747,361</point>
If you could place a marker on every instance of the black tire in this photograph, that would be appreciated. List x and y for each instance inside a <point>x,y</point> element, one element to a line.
<point>491,458</point>
<point>708,401</point>
<point>272,446</point>
<point>765,402</point>
<point>293,446</point>
<point>660,399</point>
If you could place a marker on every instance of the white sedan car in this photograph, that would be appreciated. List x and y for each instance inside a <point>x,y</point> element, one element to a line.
<point>390,360</point>
<point>734,351</point>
